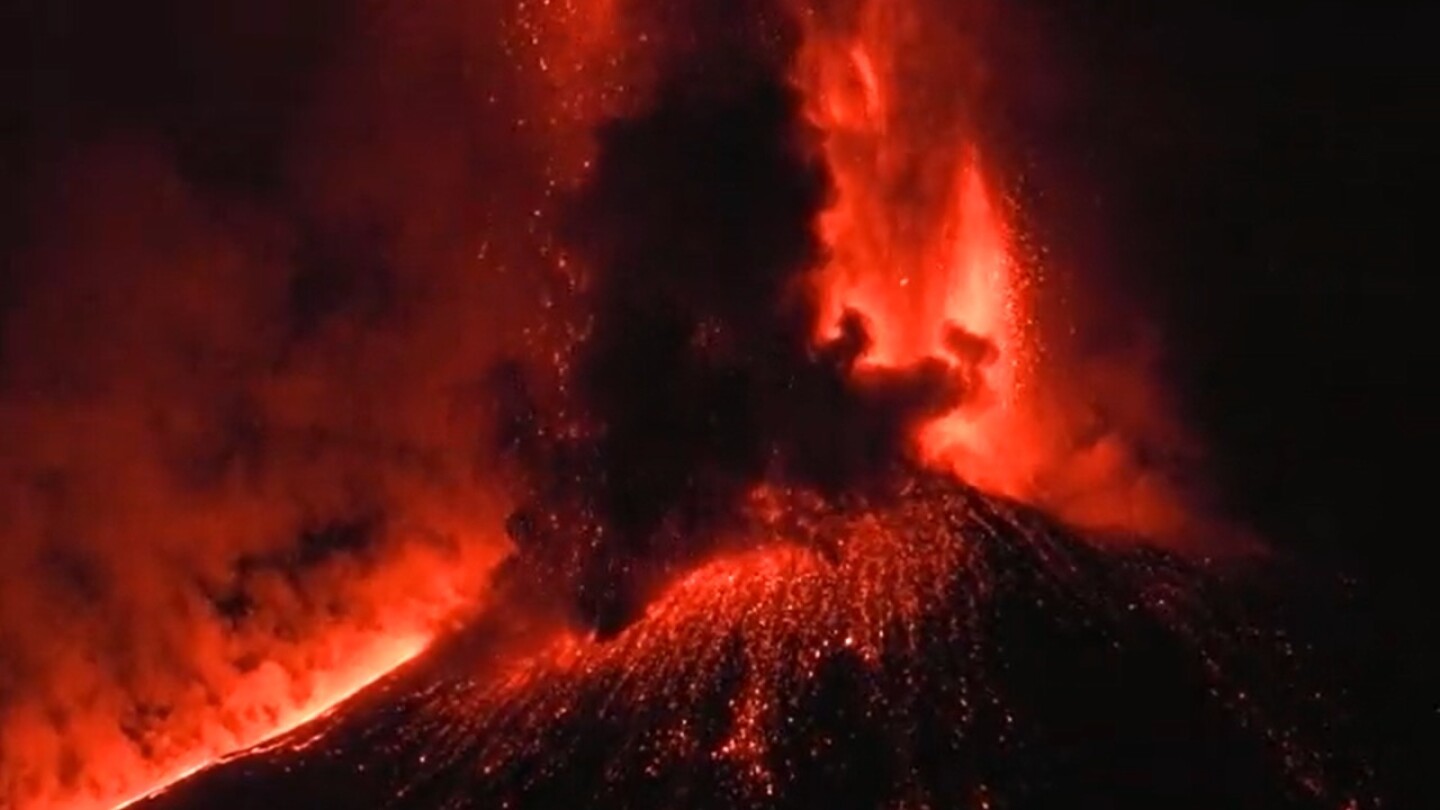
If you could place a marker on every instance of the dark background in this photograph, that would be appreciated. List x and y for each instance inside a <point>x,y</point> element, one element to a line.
<point>1264,177</point>
<point>1258,179</point>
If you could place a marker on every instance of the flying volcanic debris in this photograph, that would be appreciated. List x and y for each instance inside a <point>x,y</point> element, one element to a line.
<point>934,647</point>
<point>697,376</point>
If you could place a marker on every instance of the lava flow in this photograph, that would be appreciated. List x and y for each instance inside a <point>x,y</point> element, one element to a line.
<point>331,693</point>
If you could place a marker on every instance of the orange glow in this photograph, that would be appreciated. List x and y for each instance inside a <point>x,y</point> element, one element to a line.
<point>717,669</point>
<point>921,236</point>
<point>330,689</point>
<point>576,65</point>
<point>916,239</point>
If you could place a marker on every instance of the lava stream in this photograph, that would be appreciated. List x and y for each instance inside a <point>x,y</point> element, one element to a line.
<point>384,658</point>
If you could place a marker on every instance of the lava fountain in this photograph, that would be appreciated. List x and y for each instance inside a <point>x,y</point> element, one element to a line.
<point>915,237</point>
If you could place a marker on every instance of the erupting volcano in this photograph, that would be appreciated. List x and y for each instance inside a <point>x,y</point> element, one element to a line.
<point>796,515</point>
<point>935,647</point>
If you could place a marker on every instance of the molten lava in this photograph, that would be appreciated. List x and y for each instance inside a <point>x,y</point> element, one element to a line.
<point>332,690</point>
<point>922,238</point>
<point>916,241</point>
<point>934,647</point>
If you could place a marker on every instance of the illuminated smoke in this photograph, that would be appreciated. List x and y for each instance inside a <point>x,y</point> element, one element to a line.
<point>241,415</point>
<point>926,232</point>
<point>697,375</point>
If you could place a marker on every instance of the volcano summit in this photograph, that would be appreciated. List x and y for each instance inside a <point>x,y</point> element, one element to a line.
<point>937,648</point>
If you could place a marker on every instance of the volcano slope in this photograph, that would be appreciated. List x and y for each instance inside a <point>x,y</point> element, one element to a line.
<point>931,647</point>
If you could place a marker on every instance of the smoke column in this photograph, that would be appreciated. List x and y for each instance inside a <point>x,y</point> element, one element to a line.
<point>698,377</point>
<point>242,345</point>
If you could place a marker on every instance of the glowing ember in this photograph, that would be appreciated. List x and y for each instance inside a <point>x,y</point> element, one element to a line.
<point>925,649</point>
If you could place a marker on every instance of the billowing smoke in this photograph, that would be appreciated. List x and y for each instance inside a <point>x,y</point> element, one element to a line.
<point>242,344</point>
<point>698,375</point>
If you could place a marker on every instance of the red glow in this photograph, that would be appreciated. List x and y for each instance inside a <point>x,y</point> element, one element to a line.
<point>330,689</point>
<point>907,592</point>
<point>922,235</point>
<point>917,240</point>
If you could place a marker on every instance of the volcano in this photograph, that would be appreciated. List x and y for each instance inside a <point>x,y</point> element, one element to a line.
<point>756,558</point>
<point>937,648</point>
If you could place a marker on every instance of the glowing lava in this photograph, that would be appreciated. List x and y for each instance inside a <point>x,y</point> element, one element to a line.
<point>922,237</point>
<point>931,648</point>
<point>916,240</point>
<point>330,691</point>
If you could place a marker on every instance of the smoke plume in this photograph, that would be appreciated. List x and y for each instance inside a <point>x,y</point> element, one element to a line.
<point>242,344</point>
<point>698,375</point>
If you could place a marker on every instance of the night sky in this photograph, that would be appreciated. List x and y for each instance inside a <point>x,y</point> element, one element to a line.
<point>1260,179</point>
<point>1253,181</point>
